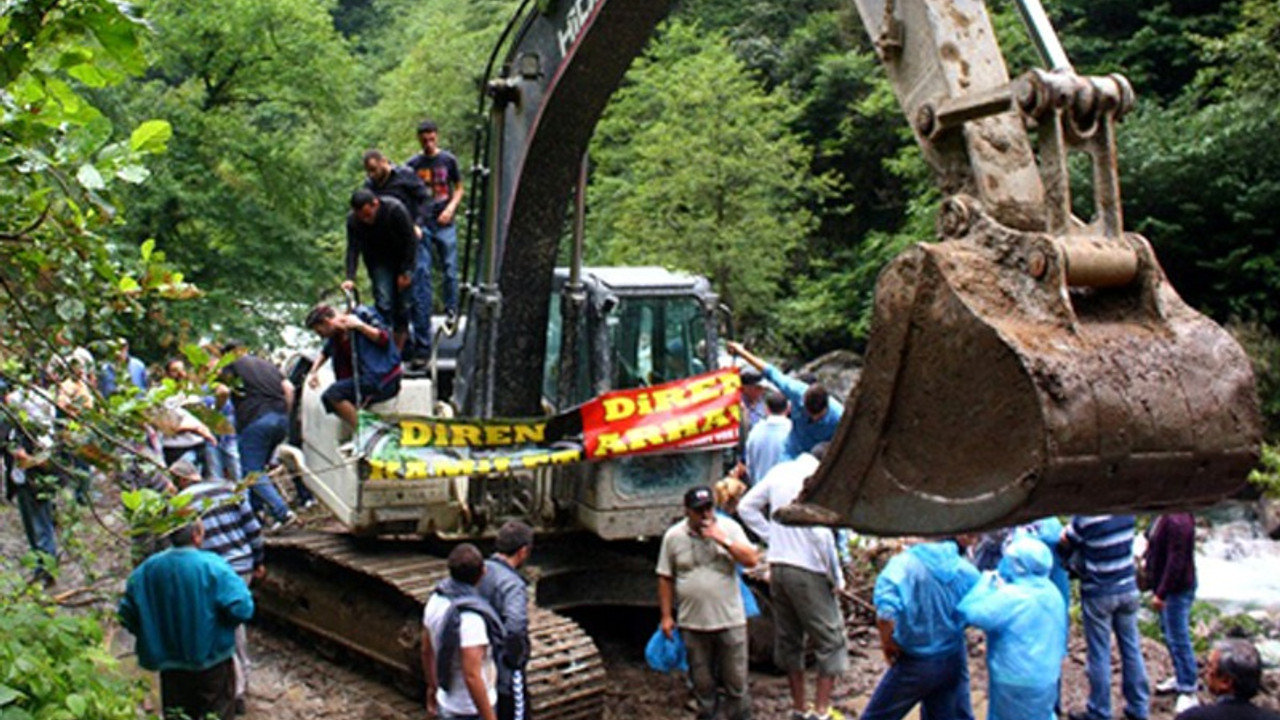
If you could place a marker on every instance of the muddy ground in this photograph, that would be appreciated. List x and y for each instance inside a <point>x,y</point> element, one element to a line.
<point>294,680</point>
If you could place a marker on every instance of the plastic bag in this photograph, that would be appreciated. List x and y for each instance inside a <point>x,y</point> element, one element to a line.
<point>665,654</point>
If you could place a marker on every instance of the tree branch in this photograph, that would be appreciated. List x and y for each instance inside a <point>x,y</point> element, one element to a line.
<point>25,233</point>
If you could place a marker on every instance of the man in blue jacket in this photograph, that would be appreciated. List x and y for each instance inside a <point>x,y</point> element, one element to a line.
<point>1025,619</point>
<point>183,605</point>
<point>922,633</point>
<point>508,592</point>
<point>815,415</point>
<point>378,360</point>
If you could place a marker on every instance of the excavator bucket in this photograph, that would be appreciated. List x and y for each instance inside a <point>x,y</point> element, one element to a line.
<point>994,393</point>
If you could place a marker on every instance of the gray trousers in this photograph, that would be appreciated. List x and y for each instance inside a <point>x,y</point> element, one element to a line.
<point>719,655</point>
<point>241,656</point>
<point>804,604</point>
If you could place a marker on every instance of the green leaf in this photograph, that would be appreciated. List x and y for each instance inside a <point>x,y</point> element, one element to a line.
<point>117,33</point>
<point>197,356</point>
<point>90,75</point>
<point>77,705</point>
<point>9,695</point>
<point>90,178</point>
<point>134,174</point>
<point>70,309</point>
<point>129,285</point>
<point>151,136</point>
<point>148,246</point>
<point>131,499</point>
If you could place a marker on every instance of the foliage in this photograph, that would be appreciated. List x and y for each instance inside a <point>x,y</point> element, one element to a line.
<point>55,665</point>
<point>1153,42</point>
<point>252,197</point>
<point>696,168</point>
<point>1201,186</point>
<point>1263,348</point>
<point>61,160</point>
<point>1266,477</point>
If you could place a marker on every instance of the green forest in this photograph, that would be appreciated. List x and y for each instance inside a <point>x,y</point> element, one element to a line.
<point>209,155</point>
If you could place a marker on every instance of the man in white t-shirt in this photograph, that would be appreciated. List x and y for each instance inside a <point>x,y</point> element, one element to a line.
<point>804,577</point>
<point>460,635</point>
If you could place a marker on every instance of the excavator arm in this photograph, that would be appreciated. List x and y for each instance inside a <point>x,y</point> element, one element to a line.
<point>1029,362</point>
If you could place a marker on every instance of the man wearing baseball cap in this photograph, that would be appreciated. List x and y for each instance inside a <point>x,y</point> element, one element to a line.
<point>697,580</point>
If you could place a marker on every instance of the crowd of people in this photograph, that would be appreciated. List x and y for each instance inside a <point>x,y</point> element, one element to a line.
<point>1012,585</point>
<point>187,603</point>
<point>399,218</point>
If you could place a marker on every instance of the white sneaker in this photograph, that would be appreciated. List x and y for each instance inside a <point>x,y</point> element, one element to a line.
<point>1185,702</point>
<point>1167,686</point>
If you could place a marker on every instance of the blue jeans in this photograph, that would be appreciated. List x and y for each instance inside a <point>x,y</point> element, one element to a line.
<point>1175,623</point>
<point>393,304</point>
<point>224,460</point>
<point>258,440</point>
<point>35,505</point>
<point>444,240</point>
<point>419,345</point>
<point>939,683</point>
<point>1102,616</point>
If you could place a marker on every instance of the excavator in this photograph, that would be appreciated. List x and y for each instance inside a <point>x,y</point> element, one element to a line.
<point>1026,362</point>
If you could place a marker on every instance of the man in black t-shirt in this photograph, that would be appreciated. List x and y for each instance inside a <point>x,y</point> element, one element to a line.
<point>381,231</point>
<point>262,398</point>
<point>438,168</point>
<point>385,178</point>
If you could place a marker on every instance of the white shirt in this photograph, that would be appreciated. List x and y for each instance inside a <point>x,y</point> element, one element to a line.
<point>457,701</point>
<point>810,548</point>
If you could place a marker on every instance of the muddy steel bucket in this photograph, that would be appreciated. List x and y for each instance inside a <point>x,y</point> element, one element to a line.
<point>993,394</point>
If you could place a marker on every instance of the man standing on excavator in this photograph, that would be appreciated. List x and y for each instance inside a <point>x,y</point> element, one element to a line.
<point>438,168</point>
<point>380,230</point>
<point>814,413</point>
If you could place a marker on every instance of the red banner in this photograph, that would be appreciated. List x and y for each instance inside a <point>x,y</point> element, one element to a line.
<point>701,412</point>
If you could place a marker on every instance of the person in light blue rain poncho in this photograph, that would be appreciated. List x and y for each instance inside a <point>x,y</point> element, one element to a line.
<point>922,634</point>
<point>1024,618</point>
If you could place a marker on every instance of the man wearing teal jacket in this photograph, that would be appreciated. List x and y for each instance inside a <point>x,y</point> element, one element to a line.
<point>183,605</point>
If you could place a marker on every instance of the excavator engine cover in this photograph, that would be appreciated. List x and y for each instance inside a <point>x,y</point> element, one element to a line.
<point>993,393</point>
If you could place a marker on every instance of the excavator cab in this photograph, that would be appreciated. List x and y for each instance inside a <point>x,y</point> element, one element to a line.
<point>617,328</point>
<point>1029,362</point>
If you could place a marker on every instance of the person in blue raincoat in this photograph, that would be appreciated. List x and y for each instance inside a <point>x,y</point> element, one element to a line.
<point>922,634</point>
<point>1022,613</point>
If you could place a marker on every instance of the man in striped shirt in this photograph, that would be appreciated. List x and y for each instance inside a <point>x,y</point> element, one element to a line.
<point>231,530</point>
<point>1109,600</point>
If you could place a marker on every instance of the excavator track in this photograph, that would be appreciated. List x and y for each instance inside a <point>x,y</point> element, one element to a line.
<point>367,596</point>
